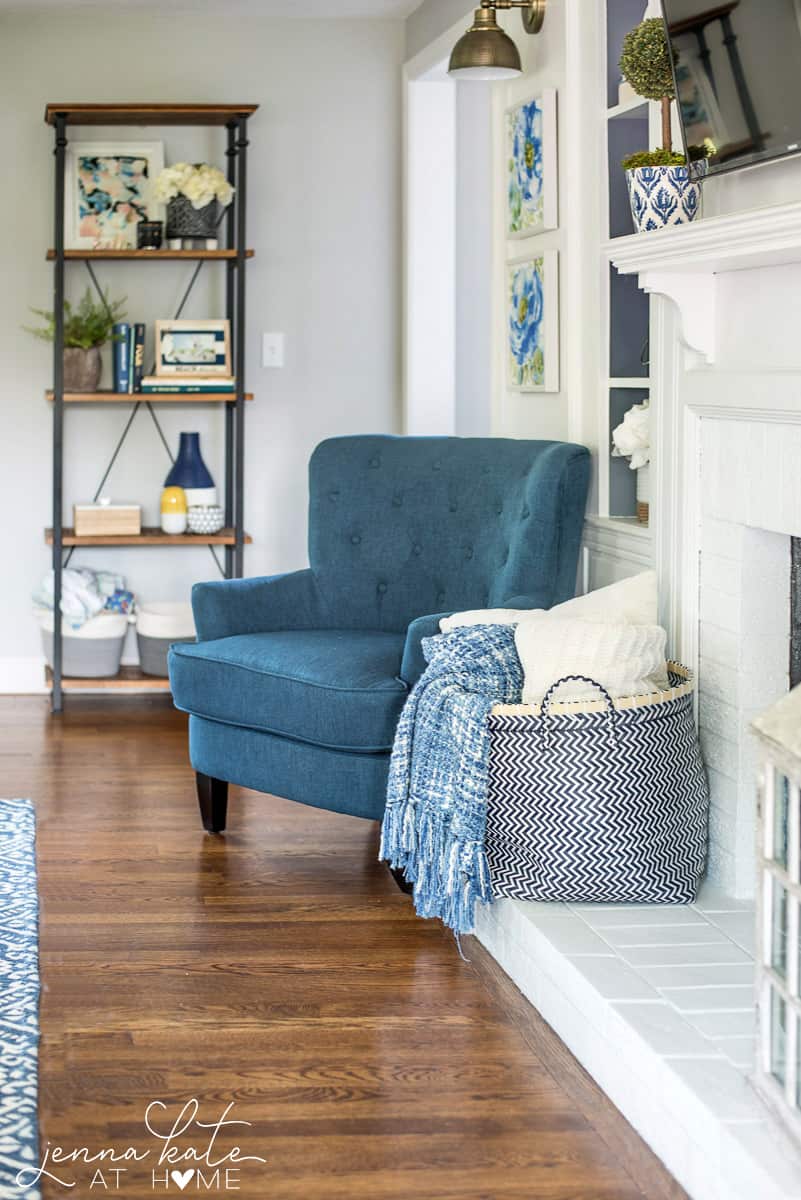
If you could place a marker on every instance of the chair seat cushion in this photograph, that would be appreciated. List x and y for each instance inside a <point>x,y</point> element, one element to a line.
<point>337,688</point>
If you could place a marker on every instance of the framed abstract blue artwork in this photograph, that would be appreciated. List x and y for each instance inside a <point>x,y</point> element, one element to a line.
<point>531,158</point>
<point>532,322</point>
<point>108,192</point>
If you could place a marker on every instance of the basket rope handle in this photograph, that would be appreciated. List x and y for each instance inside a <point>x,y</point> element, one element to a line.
<point>611,711</point>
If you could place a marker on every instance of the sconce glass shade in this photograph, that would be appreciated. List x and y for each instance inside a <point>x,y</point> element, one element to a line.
<point>485,51</point>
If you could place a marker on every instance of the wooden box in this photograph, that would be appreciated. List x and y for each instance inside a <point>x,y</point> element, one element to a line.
<point>102,520</point>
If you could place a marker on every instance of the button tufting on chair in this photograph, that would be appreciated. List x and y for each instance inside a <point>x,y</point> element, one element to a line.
<point>355,540</point>
<point>526,513</point>
<point>417,548</point>
<point>382,587</point>
<point>397,500</point>
<point>440,597</point>
<point>375,462</point>
<point>437,466</point>
<point>468,551</point>
<point>333,497</point>
<point>453,506</point>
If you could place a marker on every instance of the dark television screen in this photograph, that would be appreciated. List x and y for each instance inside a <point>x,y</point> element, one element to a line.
<point>737,68</point>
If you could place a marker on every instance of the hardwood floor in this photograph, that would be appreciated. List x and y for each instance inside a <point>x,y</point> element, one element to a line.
<point>279,968</point>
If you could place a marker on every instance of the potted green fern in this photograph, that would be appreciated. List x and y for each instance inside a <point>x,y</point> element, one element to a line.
<point>661,191</point>
<point>86,329</point>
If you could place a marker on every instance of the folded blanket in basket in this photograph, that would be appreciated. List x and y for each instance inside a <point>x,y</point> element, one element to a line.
<point>437,793</point>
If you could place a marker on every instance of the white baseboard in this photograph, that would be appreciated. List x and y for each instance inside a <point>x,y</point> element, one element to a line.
<point>22,676</point>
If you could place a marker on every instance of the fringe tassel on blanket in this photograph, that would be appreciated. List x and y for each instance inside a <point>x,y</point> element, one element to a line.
<point>435,817</point>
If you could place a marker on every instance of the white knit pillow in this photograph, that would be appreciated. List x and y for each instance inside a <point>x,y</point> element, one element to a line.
<point>631,600</point>
<point>484,616</point>
<point>628,660</point>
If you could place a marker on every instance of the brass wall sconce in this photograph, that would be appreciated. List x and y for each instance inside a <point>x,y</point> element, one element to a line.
<point>486,52</point>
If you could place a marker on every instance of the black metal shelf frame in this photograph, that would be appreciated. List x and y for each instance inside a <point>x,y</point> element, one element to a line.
<point>235,310</point>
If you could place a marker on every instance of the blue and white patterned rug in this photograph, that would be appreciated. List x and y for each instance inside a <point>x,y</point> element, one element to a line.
<point>19,998</point>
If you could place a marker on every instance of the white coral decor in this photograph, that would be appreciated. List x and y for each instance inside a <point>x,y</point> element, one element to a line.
<point>632,439</point>
<point>200,184</point>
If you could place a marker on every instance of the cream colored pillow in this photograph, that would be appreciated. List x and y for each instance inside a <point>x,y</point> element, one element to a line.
<point>483,616</point>
<point>626,659</point>
<point>632,601</point>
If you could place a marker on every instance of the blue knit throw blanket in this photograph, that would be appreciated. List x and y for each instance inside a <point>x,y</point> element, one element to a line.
<point>437,793</point>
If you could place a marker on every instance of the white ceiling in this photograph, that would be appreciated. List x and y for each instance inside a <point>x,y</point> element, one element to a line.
<point>267,8</point>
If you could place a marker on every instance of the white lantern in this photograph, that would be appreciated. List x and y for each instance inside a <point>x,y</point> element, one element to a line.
<point>778,1071</point>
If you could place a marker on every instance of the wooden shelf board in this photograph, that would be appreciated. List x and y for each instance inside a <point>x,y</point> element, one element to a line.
<point>152,255</point>
<point>129,679</point>
<point>150,397</point>
<point>149,537</point>
<point>148,114</point>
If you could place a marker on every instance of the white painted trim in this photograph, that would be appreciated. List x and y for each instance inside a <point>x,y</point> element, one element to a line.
<point>429,58</point>
<point>22,676</point>
<point>758,237</point>
<point>683,261</point>
<point>695,297</point>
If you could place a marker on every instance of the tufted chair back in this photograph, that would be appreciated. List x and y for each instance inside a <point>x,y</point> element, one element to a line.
<point>400,527</point>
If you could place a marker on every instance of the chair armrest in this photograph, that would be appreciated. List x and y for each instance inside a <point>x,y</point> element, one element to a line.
<point>235,606</point>
<point>413,663</point>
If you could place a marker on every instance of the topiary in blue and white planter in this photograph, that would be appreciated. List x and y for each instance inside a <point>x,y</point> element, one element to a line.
<point>662,196</point>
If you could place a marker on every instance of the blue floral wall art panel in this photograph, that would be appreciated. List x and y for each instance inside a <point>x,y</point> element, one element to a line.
<point>533,323</point>
<point>532,184</point>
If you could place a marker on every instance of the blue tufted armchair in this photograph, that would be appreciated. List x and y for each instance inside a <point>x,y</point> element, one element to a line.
<point>296,682</point>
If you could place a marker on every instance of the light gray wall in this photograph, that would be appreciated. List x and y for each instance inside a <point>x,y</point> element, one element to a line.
<point>473,311</point>
<point>324,218</point>
<point>431,19</point>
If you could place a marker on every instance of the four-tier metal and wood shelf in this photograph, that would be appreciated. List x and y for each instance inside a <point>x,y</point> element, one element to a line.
<point>234,119</point>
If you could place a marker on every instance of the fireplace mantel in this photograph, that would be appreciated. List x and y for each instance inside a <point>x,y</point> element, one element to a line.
<point>682,261</point>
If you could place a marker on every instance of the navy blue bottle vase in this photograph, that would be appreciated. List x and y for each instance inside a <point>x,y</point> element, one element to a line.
<point>191,473</point>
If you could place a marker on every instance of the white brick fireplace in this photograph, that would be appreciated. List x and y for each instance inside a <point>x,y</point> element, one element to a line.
<point>726,355</point>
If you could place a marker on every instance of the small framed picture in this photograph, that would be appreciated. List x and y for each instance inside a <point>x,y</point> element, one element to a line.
<point>533,323</point>
<point>193,348</point>
<point>108,192</point>
<point>532,185</point>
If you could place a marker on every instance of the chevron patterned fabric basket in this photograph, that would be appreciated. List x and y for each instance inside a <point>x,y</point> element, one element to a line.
<point>598,801</point>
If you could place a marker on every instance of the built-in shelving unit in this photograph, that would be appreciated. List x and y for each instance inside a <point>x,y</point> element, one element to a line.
<point>625,371</point>
<point>233,255</point>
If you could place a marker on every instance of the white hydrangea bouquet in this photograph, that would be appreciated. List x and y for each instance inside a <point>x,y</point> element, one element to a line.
<point>200,184</point>
<point>632,440</point>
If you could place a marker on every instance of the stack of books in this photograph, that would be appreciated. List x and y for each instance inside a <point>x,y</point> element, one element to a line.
<point>175,385</point>
<point>129,356</point>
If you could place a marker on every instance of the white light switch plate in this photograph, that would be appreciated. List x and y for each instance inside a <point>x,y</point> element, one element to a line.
<point>272,350</point>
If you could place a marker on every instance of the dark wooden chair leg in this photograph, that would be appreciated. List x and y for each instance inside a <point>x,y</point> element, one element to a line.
<point>212,796</point>
<point>402,881</point>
